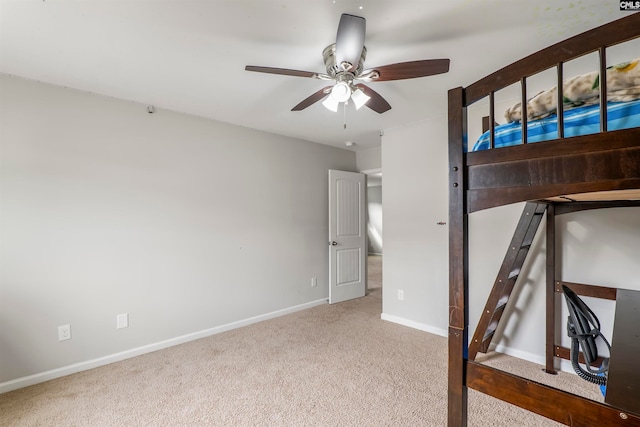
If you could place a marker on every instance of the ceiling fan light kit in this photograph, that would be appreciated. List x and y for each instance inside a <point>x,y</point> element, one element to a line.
<point>341,92</point>
<point>359,98</point>
<point>331,103</point>
<point>344,62</point>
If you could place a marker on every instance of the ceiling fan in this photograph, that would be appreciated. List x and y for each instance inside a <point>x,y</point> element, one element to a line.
<point>345,65</point>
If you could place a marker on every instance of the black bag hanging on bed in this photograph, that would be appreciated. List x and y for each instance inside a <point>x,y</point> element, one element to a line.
<point>583,327</point>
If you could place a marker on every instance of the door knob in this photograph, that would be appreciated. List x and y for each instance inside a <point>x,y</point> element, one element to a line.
<point>333,243</point>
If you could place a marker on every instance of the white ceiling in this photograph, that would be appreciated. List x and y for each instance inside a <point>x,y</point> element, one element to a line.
<point>189,55</point>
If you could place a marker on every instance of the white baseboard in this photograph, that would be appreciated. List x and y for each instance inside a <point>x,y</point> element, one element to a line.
<point>415,325</point>
<point>524,355</point>
<point>565,366</point>
<point>539,359</point>
<point>127,354</point>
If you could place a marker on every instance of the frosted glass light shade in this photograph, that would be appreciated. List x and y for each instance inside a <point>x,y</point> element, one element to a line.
<point>331,104</point>
<point>340,92</point>
<point>359,98</point>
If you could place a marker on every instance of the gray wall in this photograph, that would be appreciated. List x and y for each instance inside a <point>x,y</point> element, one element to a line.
<point>186,224</point>
<point>370,158</point>
<point>415,246</point>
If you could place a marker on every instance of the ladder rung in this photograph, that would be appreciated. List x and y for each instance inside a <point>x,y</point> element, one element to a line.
<point>502,302</point>
<point>490,331</point>
<point>488,336</point>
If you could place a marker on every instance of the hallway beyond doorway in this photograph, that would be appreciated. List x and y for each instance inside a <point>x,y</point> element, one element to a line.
<point>374,271</point>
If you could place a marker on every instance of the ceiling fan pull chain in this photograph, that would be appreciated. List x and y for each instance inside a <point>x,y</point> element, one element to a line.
<point>345,115</point>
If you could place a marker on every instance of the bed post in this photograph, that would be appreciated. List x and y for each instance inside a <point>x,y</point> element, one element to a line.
<point>551,290</point>
<point>458,271</point>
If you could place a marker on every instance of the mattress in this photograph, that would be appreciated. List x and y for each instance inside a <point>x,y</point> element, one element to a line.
<point>577,121</point>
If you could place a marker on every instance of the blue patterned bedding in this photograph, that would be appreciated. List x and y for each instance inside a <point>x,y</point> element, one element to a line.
<point>578,121</point>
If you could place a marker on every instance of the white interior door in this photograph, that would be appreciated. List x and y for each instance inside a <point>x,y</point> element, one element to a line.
<point>347,236</point>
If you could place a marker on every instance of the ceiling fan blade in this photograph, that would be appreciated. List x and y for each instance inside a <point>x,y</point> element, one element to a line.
<point>312,99</point>
<point>377,103</point>
<point>282,71</point>
<point>350,39</point>
<point>410,70</point>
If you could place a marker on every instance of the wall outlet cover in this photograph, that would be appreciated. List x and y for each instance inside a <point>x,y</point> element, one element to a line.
<point>64,332</point>
<point>122,320</point>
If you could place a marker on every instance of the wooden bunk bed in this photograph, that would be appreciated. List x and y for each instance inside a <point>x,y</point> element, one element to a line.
<point>589,171</point>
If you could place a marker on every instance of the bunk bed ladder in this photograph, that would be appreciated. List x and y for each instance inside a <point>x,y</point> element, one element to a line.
<point>505,281</point>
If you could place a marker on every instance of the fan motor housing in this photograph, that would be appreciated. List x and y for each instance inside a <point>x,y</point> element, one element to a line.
<point>333,69</point>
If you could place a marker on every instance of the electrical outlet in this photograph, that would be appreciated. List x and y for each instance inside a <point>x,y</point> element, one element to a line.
<point>314,282</point>
<point>400,294</point>
<point>122,320</point>
<point>64,332</point>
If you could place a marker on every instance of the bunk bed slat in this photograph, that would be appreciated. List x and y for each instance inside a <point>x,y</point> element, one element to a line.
<point>492,121</point>
<point>559,100</point>
<point>523,101</point>
<point>603,89</point>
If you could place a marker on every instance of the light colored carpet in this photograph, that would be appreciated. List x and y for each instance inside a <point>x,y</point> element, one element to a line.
<point>374,272</point>
<point>332,365</point>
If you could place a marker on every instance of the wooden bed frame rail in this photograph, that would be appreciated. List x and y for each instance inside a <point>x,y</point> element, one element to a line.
<point>601,162</point>
<point>580,164</point>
